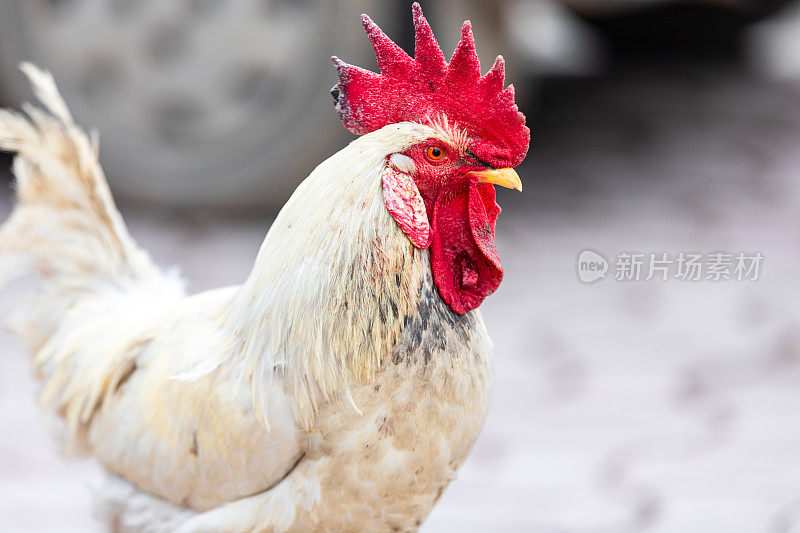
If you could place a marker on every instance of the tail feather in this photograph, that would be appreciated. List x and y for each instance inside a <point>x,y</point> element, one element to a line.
<point>65,221</point>
<point>66,228</point>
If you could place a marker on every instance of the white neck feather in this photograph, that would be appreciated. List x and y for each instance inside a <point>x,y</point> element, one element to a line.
<point>333,280</point>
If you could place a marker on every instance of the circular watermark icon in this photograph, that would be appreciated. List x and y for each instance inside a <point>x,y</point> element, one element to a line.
<point>592,266</point>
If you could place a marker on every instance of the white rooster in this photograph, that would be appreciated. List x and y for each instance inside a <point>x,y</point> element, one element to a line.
<point>344,382</point>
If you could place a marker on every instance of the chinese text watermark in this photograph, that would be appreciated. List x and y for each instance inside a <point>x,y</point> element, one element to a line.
<point>662,266</point>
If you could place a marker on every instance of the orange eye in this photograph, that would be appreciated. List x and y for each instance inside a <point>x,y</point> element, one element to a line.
<point>434,153</point>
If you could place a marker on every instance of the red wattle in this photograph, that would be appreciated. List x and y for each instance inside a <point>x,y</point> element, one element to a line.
<point>464,260</point>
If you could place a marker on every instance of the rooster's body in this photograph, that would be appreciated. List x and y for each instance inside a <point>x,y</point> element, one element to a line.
<point>335,390</point>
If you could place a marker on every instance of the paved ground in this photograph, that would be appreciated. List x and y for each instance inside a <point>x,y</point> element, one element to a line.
<point>660,406</point>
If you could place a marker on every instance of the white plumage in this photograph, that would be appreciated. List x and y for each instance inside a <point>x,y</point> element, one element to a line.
<point>332,391</point>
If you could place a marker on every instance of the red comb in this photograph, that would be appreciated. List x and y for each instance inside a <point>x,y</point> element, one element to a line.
<point>425,87</point>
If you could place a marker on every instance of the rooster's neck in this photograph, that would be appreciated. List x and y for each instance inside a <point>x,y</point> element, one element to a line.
<point>335,281</point>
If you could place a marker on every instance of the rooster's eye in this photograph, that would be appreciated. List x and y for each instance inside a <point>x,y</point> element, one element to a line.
<point>435,153</point>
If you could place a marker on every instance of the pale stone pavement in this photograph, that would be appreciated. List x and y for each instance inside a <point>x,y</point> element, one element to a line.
<point>668,407</point>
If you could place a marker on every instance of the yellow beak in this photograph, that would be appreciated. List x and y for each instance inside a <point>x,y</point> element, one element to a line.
<point>505,177</point>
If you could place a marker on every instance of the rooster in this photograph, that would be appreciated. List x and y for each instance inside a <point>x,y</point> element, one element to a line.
<point>341,386</point>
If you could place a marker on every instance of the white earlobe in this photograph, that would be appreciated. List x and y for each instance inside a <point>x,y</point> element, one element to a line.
<point>403,163</point>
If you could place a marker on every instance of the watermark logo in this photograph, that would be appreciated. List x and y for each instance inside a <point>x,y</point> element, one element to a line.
<point>662,266</point>
<point>591,266</point>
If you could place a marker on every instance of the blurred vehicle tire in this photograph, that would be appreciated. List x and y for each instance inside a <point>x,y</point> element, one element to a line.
<point>200,103</point>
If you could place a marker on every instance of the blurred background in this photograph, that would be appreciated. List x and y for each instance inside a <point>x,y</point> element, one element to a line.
<point>658,127</point>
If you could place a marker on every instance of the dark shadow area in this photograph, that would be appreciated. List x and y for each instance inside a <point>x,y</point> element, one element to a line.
<point>677,32</point>
<point>676,104</point>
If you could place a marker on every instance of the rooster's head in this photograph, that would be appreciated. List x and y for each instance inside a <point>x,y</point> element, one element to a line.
<point>441,191</point>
